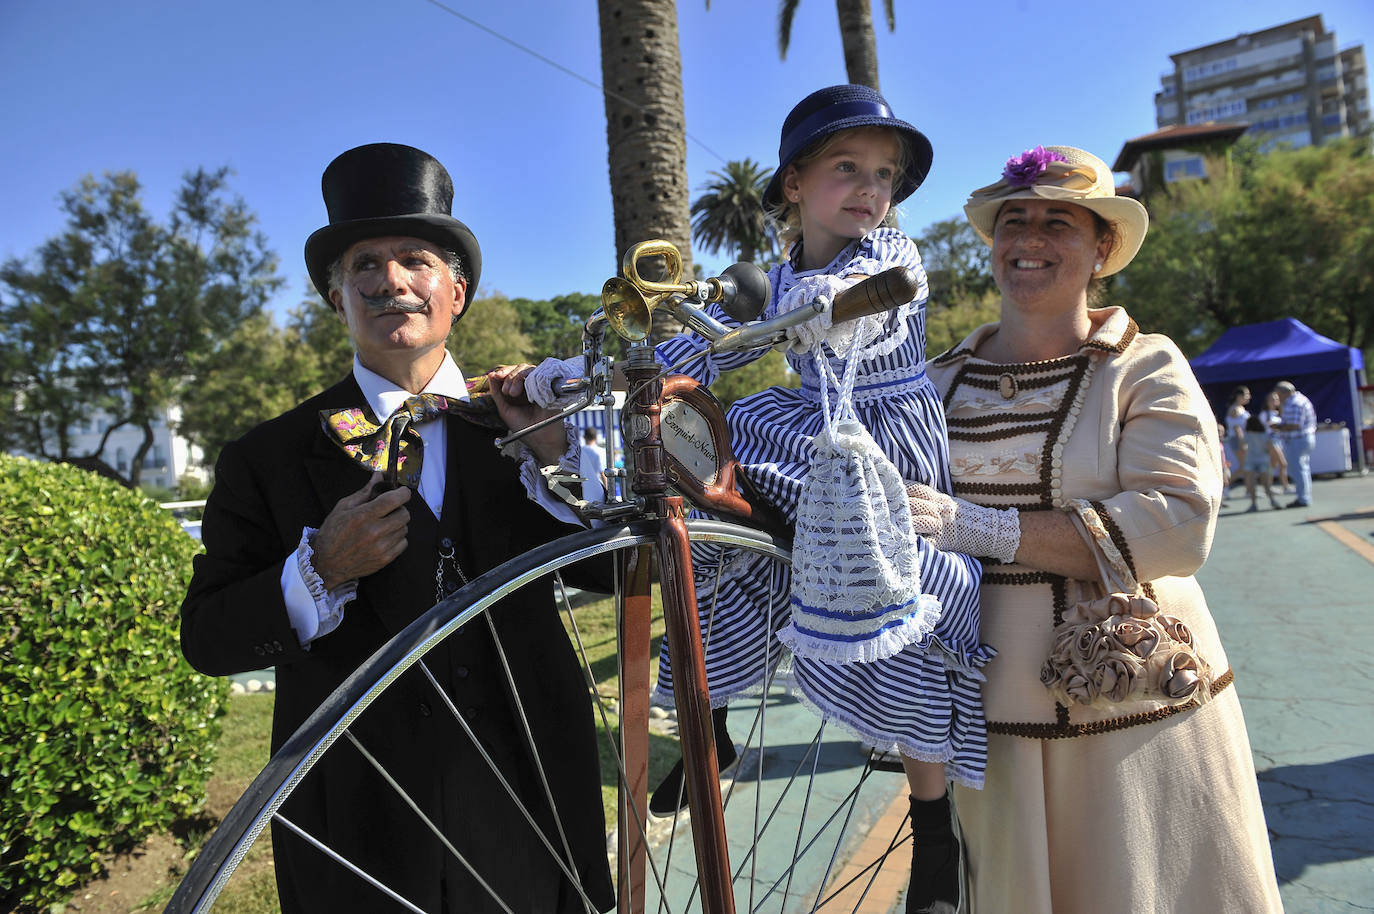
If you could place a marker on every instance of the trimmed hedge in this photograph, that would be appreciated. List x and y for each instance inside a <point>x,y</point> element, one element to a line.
<point>106,734</point>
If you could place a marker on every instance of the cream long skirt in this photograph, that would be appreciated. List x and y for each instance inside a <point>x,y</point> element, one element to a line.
<point>1161,818</point>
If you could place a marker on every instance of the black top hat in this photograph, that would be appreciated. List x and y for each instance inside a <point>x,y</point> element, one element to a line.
<point>388,189</point>
<point>837,108</point>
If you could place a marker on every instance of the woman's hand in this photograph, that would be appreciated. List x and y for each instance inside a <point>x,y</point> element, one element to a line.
<point>955,525</point>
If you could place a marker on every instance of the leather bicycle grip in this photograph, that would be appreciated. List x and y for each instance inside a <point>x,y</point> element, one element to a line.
<point>887,290</point>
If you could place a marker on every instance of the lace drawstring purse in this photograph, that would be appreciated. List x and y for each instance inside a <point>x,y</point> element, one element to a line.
<point>856,578</point>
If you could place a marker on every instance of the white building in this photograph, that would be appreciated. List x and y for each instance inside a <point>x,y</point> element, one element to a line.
<point>170,458</point>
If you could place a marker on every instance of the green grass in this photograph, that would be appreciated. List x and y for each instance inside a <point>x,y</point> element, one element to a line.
<point>596,630</point>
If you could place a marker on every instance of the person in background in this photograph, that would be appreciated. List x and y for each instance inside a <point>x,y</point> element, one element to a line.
<point>1297,430</point>
<point>1103,791</point>
<point>1257,468</point>
<point>1272,415</point>
<point>313,561</point>
<point>1236,414</point>
<point>592,468</point>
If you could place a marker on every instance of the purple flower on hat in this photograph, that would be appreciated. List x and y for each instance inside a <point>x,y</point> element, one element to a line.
<point>1022,170</point>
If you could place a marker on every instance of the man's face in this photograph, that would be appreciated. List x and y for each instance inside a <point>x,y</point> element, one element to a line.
<point>398,299</point>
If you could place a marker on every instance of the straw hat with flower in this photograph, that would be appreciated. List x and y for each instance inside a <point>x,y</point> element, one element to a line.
<point>1073,176</point>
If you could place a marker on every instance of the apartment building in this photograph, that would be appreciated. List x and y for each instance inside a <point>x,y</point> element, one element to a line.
<point>1291,84</point>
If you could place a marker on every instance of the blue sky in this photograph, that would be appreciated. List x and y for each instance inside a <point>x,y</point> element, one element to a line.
<point>274,90</point>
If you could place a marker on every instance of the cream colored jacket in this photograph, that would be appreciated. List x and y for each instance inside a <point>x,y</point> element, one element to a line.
<point>1134,460</point>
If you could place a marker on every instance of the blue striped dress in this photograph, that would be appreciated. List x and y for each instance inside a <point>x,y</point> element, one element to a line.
<point>925,700</point>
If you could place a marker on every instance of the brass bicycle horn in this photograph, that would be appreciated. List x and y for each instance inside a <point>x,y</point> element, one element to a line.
<point>629,302</point>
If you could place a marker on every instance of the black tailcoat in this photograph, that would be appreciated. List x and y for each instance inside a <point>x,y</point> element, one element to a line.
<point>286,475</point>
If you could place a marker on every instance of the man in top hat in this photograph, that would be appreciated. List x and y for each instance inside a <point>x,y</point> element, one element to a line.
<point>312,562</point>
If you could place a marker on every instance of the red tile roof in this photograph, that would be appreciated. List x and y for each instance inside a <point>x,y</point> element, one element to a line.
<point>1179,135</point>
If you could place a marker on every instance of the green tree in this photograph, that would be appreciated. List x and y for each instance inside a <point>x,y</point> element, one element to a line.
<point>729,213</point>
<point>1289,234</point>
<point>957,261</point>
<point>112,313</point>
<point>856,36</point>
<point>554,325</point>
<point>489,335</point>
<point>641,72</point>
<point>948,322</point>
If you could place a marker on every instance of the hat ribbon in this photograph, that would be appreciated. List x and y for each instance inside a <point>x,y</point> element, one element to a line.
<point>1059,181</point>
<point>829,115</point>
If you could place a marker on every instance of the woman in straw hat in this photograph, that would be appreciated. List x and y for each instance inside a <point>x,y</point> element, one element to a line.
<point>1119,771</point>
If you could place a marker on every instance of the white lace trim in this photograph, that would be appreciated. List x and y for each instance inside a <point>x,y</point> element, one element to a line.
<point>917,620</point>
<point>329,604</point>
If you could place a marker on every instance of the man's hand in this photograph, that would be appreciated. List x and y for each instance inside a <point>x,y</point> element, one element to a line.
<point>508,391</point>
<point>362,534</point>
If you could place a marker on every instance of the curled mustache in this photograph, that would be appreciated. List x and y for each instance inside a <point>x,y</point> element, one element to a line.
<point>389,304</point>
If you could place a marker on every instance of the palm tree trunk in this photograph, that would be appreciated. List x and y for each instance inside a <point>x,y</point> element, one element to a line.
<point>860,44</point>
<point>641,69</point>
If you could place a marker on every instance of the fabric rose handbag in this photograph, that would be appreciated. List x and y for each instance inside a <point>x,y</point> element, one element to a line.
<point>1122,648</point>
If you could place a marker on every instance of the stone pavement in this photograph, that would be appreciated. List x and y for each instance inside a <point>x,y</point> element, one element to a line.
<point>1293,595</point>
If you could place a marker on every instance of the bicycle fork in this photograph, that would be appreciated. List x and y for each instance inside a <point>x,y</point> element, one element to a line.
<point>645,448</point>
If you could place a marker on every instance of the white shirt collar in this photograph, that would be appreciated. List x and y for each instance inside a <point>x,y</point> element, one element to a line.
<point>385,397</point>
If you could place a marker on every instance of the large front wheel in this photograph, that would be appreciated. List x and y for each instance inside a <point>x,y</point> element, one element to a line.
<point>799,800</point>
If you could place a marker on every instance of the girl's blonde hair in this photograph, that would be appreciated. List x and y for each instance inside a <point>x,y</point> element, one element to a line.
<point>786,215</point>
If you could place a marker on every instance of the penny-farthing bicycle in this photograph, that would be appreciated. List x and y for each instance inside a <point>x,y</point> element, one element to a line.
<point>781,834</point>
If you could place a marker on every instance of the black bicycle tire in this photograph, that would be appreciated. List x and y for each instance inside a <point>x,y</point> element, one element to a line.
<point>226,847</point>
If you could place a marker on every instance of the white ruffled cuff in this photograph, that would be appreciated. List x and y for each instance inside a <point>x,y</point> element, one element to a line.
<point>545,484</point>
<point>329,604</point>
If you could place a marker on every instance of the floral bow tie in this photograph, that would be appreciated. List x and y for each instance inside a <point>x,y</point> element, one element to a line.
<point>392,446</point>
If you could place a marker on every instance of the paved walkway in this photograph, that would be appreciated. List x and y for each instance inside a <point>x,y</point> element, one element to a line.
<point>1293,595</point>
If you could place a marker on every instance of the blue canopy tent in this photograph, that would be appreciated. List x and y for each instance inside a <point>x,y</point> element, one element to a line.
<point>1259,356</point>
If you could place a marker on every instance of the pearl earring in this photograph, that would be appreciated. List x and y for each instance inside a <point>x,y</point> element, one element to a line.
<point>1097,268</point>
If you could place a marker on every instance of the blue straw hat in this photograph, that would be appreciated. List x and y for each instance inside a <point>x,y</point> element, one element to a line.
<point>837,108</point>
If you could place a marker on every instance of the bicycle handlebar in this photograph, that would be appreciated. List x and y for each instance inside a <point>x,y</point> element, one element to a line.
<point>884,291</point>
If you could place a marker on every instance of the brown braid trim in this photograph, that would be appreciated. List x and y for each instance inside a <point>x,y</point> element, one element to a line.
<point>993,382</point>
<point>1062,729</point>
<point>996,488</point>
<point>1121,344</point>
<point>961,435</point>
<point>1118,538</point>
<point>976,421</point>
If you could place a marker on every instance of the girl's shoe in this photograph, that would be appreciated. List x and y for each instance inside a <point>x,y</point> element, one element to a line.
<point>934,887</point>
<point>1252,509</point>
<point>670,796</point>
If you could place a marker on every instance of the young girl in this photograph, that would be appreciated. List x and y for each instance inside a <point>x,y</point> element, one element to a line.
<point>1257,470</point>
<point>844,160</point>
